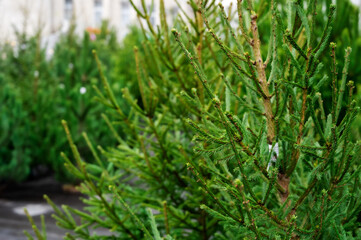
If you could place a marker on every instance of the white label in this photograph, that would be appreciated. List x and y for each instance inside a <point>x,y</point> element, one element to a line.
<point>274,154</point>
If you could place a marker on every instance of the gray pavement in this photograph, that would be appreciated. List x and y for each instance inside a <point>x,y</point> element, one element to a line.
<point>13,199</point>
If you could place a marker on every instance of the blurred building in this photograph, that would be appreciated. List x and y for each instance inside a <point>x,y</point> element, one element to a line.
<point>55,16</point>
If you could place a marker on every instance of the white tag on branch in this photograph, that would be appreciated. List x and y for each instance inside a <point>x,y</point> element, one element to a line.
<point>274,154</point>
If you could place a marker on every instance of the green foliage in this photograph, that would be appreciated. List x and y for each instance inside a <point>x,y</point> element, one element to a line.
<point>22,89</point>
<point>15,158</point>
<point>230,138</point>
<point>38,90</point>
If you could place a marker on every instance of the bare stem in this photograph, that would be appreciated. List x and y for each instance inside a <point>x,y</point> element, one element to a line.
<point>256,45</point>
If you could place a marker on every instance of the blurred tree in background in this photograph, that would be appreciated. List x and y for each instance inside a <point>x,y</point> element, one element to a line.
<point>38,90</point>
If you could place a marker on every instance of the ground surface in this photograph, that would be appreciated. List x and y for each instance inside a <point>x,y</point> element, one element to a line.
<point>13,200</point>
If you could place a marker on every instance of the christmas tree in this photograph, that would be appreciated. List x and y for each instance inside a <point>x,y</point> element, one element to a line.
<point>231,137</point>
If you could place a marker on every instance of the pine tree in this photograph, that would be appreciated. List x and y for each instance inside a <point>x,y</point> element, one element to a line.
<point>288,138</point>
<point>31,76</point>
<point>230,138</point>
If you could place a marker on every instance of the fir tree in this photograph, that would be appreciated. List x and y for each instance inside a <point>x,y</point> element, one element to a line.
<point>230,138</point>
